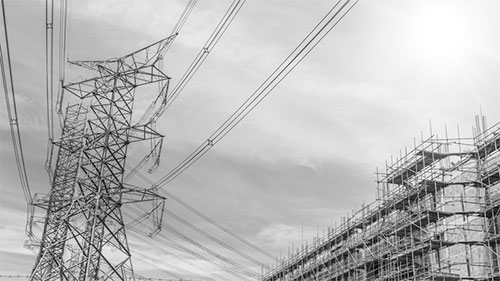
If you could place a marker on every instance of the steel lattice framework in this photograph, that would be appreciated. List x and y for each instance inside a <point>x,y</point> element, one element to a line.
<point>84,233</point>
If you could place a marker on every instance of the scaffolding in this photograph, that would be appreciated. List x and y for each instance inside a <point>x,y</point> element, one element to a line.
<point>436,217</point>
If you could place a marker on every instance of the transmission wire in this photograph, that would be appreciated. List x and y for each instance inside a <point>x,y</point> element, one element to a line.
<point>49,82</point>
<point>214,38</point>
<point>176,30</point>
<point>177,246</point>
<point>209,220</point>
<point>12,112</point>
<point>213,238</point>
<point>63,41</point>
<point>162,89</point>
<point>173,244</point>
<point>138,210</point>
<point>262,91</point>
<point>289,64</point>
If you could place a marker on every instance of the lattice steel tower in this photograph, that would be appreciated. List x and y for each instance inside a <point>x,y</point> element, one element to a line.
<point>84,234</point>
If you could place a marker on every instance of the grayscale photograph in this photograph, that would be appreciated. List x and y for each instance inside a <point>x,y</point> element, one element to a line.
<point>196,140</point>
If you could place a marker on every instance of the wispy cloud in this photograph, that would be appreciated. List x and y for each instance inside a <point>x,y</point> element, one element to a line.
<point>305,157</point>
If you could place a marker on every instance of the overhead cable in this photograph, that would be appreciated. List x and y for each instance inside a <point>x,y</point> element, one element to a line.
<point>216,240</point>
<point>235,269</point>
<point>162,96</point>
<point>327,23</point>
<point>10,101</point>
<point>216,224</point>
<point>49,82</point>
<point>162,87</point>
<point>230,261</point>
<point>63,41</point>
<point>172,197</point>
<point>212,41</point>
<point>166,241</point>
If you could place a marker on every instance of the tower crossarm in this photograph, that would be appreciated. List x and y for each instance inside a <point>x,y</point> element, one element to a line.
<point>100,85</point>
<point>148,55</point>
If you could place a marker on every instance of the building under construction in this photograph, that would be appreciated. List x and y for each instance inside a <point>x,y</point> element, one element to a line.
<point>437,217</point>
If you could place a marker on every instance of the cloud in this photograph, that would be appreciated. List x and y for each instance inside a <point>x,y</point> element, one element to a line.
<point>306,155</point>
<point>14,258</point>
<point>277,234</point>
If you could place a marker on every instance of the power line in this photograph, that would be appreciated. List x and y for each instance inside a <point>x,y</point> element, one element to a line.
<point>212,41</point>
<point>54,106</point>
<point>63,41</point>
<point>179,234</point>
<point>142,214</point>
<point>203,54</point>
<point>10,100</point>
<point>162,96</point>
<point>217,225</point>
<point>175,245</point>
<point>213,238</point>
<point>49,82</point>
<point>236,269</point>
<point>327,23</point>
<point>209,220</point>
<point>162,87</point>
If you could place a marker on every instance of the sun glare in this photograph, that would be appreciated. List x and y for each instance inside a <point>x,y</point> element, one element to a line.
<point>441,33</point>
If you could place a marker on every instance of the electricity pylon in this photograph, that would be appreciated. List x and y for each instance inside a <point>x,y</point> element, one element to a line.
<point>84,234</point>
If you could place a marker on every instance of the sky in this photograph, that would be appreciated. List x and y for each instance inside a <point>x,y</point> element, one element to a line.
<point>306,156</point>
